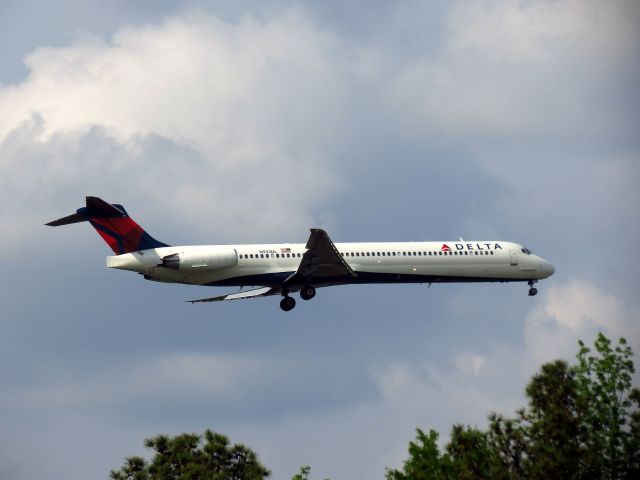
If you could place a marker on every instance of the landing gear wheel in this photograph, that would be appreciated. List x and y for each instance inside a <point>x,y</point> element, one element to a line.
<point>533,291</point>
<point>287,303</point>
<point>308,292</point>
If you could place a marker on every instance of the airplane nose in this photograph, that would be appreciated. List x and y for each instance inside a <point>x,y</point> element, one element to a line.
<point>546,269</point>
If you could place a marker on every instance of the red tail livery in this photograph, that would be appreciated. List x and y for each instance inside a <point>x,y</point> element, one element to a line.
<point>114,225</point>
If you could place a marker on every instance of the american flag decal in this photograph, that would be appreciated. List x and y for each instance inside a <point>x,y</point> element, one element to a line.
<point>285,250</point>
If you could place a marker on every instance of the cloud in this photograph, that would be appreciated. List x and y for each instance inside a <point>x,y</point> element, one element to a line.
<point>521,70</point>
<point>467,384</point>
<point>177,385</point>
<point>237,129</point>
<point>510,120</point>
<point>225,125</point>
<point>578,310</point>
<point>192,77</point>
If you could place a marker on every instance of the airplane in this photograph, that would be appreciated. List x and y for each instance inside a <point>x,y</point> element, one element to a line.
<point>285,268</point>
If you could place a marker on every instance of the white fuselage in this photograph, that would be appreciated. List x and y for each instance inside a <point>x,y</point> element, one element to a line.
<point>381,262</point>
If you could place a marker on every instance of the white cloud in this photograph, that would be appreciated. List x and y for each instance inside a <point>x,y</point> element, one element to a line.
<point>515,31</point>
<point>578,310</point>
<point>520,69</point>
<point>467,386</point>
<point>470,364</point>
<point>229,127</point>
<point>192,77</point>
<point>223,125</point>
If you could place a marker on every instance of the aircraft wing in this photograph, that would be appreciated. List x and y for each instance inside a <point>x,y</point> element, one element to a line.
<point>321,261</point>
<point>258,292</point>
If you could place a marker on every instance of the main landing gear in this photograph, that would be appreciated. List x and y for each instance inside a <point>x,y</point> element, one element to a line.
<point>533,291</point>
<point>288,303</point>
<point>307,293</point>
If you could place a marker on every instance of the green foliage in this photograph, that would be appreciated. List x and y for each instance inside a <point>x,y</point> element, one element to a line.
<point>303,474</point>
<point>467,457</point>
<point>543,441</point>
<point>610,421</point>
<point>580,422</point>
<point>471,456</point>
<point>193,457</point>
<point>425,460</point>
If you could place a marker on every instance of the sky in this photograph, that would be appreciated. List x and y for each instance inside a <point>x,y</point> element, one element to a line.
<point>250,122</point>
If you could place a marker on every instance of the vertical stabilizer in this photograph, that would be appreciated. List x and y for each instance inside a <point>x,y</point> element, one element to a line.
<point>113,224</point>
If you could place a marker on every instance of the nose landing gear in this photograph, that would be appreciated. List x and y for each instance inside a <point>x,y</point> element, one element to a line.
<point>533,291</point>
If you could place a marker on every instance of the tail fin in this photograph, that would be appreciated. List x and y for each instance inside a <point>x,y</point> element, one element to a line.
<point>113,224</point>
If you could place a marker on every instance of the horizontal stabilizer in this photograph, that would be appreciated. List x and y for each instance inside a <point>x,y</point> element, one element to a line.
<point>258,292</point>
<point>68,220</point>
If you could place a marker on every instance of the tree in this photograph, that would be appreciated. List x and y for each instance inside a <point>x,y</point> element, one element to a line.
<point>467,456</point>
<point>611,420</point>
<point>580,422</point>
<point>544,440</point>
<point>193,457</point>
<point>471,456</point>
<point>425,460</point>
<point>303,474</point>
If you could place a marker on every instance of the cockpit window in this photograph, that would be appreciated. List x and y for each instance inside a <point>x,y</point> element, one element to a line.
<point>526,250</point>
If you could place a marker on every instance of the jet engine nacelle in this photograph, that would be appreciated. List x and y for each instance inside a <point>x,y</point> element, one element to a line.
<point>196,261</point>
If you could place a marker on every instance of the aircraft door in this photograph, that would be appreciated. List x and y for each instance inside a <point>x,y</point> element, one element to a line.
<point>513,257</point>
